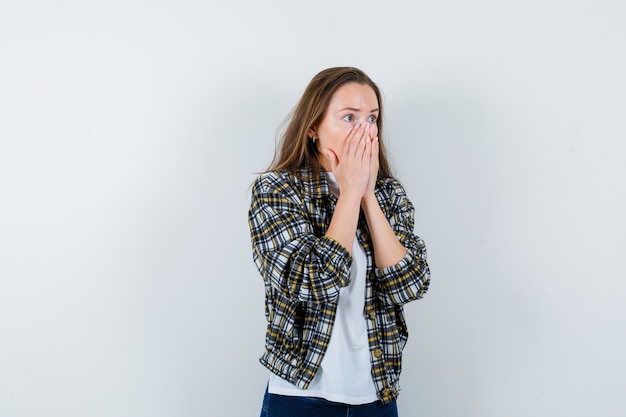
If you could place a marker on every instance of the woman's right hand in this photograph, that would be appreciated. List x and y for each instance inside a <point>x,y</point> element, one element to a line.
<point>352,167</point>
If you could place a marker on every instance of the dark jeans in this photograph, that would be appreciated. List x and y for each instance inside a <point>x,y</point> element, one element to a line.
<point>286,406</point>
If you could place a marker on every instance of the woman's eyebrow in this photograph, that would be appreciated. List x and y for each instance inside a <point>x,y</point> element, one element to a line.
<point>356,110</point>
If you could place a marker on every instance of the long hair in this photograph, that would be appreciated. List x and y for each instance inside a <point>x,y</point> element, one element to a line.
<point>295,150</point>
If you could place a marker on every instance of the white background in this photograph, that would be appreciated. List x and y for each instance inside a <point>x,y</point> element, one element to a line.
<point>131,130</point>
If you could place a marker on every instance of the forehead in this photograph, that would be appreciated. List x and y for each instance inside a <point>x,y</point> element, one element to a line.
<point>354,95</point>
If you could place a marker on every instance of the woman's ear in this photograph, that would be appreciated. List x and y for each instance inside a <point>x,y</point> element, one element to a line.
<point>311,132</point>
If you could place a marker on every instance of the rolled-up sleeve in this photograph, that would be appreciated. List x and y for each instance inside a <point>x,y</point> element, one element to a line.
<point>286,252</point>
<point>409,279</point>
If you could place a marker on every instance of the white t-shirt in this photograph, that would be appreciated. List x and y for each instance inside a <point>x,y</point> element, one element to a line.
<point>345,372</point>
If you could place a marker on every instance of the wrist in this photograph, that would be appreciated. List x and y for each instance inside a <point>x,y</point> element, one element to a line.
<point>350,196</point>
<point>369,201</point>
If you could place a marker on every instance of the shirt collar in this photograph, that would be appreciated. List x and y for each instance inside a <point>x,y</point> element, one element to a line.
<point>315,186</point>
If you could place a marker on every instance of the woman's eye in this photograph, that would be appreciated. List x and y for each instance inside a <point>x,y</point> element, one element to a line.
<point>348,118</point>
<point>371,119</point>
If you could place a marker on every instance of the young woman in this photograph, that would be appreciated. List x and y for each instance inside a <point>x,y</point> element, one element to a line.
<point>332,236</point>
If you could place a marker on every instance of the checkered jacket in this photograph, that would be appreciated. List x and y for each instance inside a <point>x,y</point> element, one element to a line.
<point>303,272</point>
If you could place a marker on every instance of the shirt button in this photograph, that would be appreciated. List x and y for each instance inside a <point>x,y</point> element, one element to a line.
<point>385,392</point>
<point>378,352</point>
<point>365,236</point>
<point>372,315</point>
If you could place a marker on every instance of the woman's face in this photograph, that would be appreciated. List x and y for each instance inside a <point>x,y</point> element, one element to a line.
<point>351,105</point>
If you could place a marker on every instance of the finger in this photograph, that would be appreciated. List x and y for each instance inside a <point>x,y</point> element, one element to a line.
<point>374,162</point>
<point>350,140</point>
<point>374,151</point>
<point>368,149</point>
<point>332,157</point>
<point>367,134</point>
<point>369,131</point>
<point>374,130</point>
<point>375,147</point>
<point>363,146</point>
<point>356,140</point>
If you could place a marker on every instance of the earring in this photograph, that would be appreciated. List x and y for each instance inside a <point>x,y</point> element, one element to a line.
<point>314,139</point>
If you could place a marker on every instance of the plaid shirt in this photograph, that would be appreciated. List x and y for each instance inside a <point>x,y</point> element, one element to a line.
<point>303,272</point>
